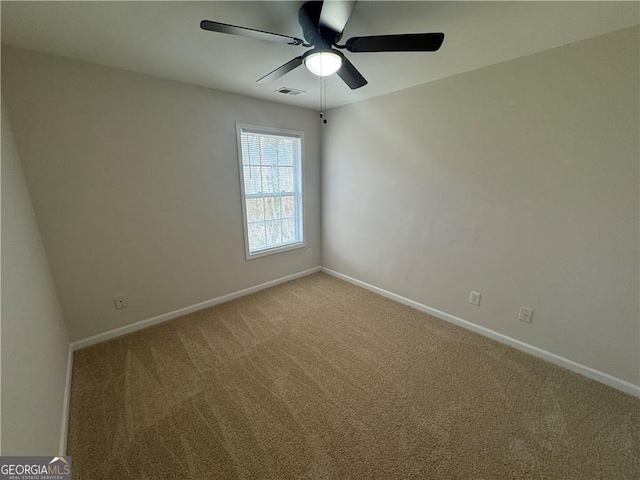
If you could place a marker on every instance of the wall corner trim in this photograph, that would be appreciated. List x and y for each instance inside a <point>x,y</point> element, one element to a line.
<point>118,332</point>
<point>65,404</point>
<point>575,367</point>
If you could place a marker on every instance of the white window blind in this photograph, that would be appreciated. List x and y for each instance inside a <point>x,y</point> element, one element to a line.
<point>271,175</point>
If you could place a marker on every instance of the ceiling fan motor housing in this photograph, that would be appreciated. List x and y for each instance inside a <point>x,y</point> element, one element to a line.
<point>319,36</point>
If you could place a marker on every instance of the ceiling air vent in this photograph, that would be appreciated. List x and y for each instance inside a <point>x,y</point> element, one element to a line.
<point>289,91</point>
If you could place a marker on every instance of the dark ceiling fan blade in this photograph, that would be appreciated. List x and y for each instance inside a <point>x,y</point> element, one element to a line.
<point>350,74</point>
<point>410,42</point>
<point>335,14</point>
<point>249,32</point>
<point>280,71</point>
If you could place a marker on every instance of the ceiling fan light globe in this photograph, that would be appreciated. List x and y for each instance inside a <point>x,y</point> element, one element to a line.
<point>323,64</point>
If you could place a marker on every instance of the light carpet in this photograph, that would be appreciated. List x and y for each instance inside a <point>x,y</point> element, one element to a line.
<point>319,379</point>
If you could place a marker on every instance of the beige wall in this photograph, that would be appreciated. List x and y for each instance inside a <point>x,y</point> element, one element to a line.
<point>35,345</point>
<point>135,184</point>
<point>519,181</point>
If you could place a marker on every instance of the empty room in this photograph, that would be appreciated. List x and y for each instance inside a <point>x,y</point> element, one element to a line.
<point>320,240</point>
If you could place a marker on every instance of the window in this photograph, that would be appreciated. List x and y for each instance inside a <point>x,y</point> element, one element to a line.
<point>271,179</point>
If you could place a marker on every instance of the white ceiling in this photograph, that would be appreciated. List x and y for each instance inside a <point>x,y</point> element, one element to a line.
<point>164,39</point>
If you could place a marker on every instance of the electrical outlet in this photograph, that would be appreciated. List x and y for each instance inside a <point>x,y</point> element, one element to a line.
<point>120,301</point>
<point>526,314</point>
<point>308,252</point>
<point>474,298</point>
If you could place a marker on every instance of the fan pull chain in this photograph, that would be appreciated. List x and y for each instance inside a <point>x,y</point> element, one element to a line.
<point>323,98</point>
<point>324,84</point>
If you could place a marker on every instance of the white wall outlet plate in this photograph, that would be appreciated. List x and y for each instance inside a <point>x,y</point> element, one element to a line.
<point>526,314</point>
<point>120,301</point>
<point>474,298</point>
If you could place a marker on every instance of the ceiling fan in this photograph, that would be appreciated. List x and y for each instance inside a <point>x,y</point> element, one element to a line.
<point>322,26</point>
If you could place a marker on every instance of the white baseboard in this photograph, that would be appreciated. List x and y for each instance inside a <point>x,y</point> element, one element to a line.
<point>65,404</point>
<point>589,372</point>
<point>117,332</point>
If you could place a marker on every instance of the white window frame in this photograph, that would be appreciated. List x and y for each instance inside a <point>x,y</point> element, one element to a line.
<point>240,127</point>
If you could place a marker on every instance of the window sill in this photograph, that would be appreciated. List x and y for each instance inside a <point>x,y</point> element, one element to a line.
<point>274,250</point>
